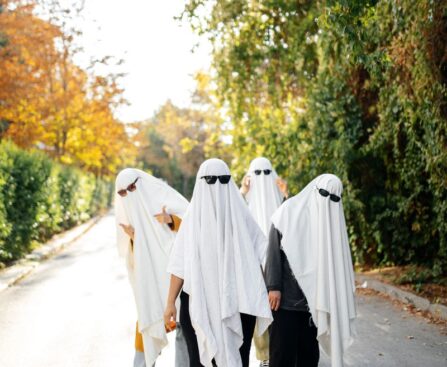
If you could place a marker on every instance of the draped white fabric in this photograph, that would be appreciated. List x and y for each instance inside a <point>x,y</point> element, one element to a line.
<point>315,241</point>
<point>218,253</point>
<point>148,260</point>
<point>264,196</point>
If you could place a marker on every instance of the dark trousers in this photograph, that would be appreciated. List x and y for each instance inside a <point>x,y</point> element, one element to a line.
<point>248,327</point>
<point>293,340</point>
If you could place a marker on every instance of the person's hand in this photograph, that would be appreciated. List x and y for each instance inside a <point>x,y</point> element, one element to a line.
<point>245,185</point>
<point>163,217</point>
<point>130,231</point>
<point>169,316</point>
<point>274,300</point>
<point>282,186</point>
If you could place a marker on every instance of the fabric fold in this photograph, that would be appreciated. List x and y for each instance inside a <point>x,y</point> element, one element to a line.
<point>147,259</point>
<point>218,253</point>
<point>316,244</point>
<point>264,196</point>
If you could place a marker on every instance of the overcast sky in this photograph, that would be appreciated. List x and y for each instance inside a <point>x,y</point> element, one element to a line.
<point>155,47</point>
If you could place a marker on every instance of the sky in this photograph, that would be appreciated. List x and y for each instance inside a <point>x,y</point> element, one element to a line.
<point>155,47</point>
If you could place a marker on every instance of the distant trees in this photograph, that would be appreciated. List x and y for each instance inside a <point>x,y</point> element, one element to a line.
<point>175,141</point>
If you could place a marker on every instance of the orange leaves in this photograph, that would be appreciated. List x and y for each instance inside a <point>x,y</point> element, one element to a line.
<point>46,101</point>
<point>26,48</point>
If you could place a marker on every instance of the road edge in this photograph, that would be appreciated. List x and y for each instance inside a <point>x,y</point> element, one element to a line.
<point>15,273</point>
<point>394,292</point>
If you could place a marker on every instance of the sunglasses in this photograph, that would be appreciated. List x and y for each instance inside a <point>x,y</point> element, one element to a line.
<point>259,171</point>
<point>326,193</point>
<point>211,180</point>
<point>131,188</point>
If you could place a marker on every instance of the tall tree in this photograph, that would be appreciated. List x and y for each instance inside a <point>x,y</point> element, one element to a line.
<point>50,103</point>
<point>357,88</point>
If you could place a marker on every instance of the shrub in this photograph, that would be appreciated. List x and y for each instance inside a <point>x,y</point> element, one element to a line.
<point>39,198</point>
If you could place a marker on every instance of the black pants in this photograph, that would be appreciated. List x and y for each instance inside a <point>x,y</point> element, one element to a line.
<point>293,340</point>
<point>248,327</point>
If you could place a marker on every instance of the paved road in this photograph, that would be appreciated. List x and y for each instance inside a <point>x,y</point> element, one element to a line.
<point>76,310</point>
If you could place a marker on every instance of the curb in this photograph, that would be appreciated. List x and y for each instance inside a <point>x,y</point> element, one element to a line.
<point>394,292</point>
<point>13,274</point>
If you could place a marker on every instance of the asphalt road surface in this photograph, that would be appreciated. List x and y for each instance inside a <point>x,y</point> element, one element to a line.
<point>77,310</point>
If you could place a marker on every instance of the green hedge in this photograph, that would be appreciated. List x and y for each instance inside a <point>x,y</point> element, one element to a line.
<point>39,198</point>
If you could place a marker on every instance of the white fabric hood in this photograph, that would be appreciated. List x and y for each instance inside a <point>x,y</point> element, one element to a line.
<point>218,253</point>
<point>315,241</point>
<point>148,261</point>
<point>264,196</point>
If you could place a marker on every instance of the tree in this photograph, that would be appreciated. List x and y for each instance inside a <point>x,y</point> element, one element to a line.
<point>357,88</point>
<point>50,103</point>
<point>176,140</point>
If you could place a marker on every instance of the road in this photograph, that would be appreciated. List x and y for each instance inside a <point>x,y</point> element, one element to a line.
<point>76,310</point>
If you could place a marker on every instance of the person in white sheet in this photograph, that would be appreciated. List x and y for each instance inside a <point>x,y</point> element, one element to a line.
<point>264,192</point>
<point>310,277</point>
<point>217,259</point>
<point>148,213</point>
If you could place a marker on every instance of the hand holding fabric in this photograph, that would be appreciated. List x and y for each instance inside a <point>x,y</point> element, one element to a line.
<point>129,230</point>
<point>163,217</point>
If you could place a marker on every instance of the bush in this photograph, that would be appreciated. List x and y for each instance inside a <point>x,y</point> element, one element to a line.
<point>5,226</point>
<point>49,215</point>
<point>39,198</point>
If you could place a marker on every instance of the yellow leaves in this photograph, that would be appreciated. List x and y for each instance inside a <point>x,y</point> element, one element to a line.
<point>188,144</point>
<point>49,102</point>
<point>415,227</point>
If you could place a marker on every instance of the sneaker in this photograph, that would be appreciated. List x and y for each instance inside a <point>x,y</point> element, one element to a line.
<point>264,364</point>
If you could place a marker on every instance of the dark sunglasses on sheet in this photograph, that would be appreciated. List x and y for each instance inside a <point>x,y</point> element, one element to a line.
<point>326,193</point>
<point>211,180</point>
<point>131,188</point>
<point>259,171</point>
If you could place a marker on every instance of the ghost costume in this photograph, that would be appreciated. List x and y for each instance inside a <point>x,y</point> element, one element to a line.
<point>218,253</point>
<point>312,232</point>
<point>147,257</point>
<point>263,198</point>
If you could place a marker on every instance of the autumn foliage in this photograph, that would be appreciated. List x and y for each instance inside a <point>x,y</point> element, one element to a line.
<point>50,103</point>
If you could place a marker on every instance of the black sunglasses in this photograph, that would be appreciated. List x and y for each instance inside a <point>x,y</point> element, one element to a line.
<point>326,193</point>
<point>211,180</point>
<point>259,171</point>
<point>131,188</point>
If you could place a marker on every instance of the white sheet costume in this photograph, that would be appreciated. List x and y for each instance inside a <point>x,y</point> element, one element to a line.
<point>218,253</point>
<point>315,241</point>
<point>264,196</point>
<point>147,261</point>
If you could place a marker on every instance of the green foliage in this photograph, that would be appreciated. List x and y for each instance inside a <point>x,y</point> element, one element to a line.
<point>39,198</point>
<point>357,88</point>
<point>49,216</point>
<point>76,192</point>
<point>415,275</point>
<point>23,191</point>
<point>102,196</point>
<point>5,226</point>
